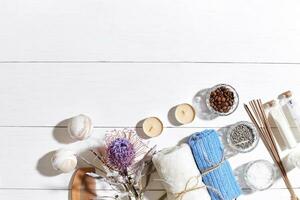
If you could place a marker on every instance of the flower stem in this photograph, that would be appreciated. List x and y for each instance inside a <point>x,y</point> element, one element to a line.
<point>131,187</point>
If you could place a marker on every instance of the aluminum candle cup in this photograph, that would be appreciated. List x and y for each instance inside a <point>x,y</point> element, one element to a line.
<point>222,99</point>
<point>152,127</point>
<point>184,113</point>
<point>242,137</point>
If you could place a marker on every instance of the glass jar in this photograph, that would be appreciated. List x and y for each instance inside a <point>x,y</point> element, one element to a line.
<point>238,138</point>
<point>259,174</point>
<point>232,108</point>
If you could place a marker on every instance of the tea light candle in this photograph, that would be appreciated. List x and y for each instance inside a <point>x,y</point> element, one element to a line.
<point>184,113</point>
<point>152,126</point>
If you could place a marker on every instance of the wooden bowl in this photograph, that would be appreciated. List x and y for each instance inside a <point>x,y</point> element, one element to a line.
<point>83,187</point>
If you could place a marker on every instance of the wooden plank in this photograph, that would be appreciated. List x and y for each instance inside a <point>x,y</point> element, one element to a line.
<point>139,30</point>
<point>271,193</point>
<point>34,194</point>
<point>275,194</point>
<point>26,155</point>
<point>120,95</point>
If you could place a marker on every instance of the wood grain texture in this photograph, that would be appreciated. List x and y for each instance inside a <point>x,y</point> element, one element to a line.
<point>276,194</point>
<point>37,98</point>
<point>34,194</point>
<point>121,61</point>
<point>141,30</point>
<point>119,95</point>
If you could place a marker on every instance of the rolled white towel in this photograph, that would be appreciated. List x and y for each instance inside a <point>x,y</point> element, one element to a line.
<point>179,173</point>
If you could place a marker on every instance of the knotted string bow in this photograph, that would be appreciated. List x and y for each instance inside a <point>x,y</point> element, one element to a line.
<point>189,187</point>
<point>192,186</point>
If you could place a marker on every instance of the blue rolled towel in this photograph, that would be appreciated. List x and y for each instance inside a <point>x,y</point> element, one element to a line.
<point>217,173</point>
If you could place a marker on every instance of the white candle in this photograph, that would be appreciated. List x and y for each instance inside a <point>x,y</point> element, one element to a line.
<point>184,113</point>
<point>152,126</point>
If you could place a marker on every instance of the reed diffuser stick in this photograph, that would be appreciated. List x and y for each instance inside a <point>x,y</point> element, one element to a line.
<point>259,119</point>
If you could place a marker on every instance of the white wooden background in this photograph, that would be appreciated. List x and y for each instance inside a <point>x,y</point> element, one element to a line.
<point>121,61</point>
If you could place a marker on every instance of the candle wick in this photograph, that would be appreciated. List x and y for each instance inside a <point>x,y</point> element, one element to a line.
<point>150,128</point>
<point>182,112</point>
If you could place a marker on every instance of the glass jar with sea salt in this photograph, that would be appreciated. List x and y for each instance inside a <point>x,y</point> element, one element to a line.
<point>260,174</point>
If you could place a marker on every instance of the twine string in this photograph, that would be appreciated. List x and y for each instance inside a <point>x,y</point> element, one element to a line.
<point>188,187</point>
<point>213,166</point>
<point>192,186</point>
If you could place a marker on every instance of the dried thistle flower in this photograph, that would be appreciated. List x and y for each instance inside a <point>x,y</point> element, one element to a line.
<point>124,160</point>
<point>120,154</point>
<point>124,149</point>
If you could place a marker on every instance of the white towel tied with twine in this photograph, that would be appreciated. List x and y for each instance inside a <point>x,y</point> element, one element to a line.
<point>179,174</point>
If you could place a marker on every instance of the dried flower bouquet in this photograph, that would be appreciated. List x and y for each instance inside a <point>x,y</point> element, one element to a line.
<point>124,160</point>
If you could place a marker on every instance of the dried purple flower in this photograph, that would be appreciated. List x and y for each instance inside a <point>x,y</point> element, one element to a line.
<point>124,159</point>
<point>120,154</point>
<point>124,150</point>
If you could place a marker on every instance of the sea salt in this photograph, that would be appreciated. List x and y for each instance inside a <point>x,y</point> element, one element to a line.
<point>260,175</point>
